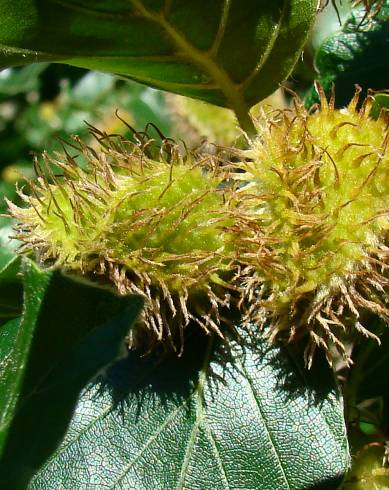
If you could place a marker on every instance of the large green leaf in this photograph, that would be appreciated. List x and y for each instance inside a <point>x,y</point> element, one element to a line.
<point>227,52</point>
<point>357,54</point>
<point>250,417</point>
<point>67,333</point>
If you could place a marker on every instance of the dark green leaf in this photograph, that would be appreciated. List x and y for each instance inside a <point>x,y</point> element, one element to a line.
<point>248,418</point>
<point>367,401</point>
<point>15,344</point>
<point>227,52</point>
<point>357,54</point>
<point>10,286</point>
<point>9,264</point>
<point>68,332</point>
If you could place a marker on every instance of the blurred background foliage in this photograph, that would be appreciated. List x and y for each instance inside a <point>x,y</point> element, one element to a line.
<point>43,104</point>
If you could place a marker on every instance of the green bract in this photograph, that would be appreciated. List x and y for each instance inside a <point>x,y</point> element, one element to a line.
<point>314,210</point>
<point>153,226</point>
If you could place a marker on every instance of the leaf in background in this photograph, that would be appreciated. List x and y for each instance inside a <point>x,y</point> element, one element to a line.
<point>227,52</point>
<point>56,102</point>
<point>68,332</point>
<point>7,263</point>
<point>94,98</point>
<point>357,54</point>
<point>249,418</point>
<point>367,401</point>
<point>20,81</point>
<point>367,380</point>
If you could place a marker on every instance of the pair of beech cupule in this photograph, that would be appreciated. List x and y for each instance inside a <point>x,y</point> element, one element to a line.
<point>293,231</point>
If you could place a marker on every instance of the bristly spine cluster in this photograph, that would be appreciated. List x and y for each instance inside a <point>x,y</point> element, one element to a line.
<point>294,231</point>
<point>146,217</point>
<point>312,224</point>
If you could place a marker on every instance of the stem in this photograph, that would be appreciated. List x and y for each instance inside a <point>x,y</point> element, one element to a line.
<point>245,122</point>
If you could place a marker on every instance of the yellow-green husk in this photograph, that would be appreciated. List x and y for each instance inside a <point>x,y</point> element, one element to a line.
<point>312,225</point>
<point>152,225</point>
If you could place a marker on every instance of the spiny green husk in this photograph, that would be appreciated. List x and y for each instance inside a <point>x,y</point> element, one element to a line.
<point>304,229</point>
<point>154,226</point>
<point>312,224</point>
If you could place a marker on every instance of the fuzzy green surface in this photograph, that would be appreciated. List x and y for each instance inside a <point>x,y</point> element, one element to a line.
<point>319,237</point>
<point>160,219</point>
<point>172,234</point>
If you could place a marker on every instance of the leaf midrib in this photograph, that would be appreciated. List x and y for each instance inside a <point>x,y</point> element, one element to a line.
<point>218,457</point>
<point>267,429</point>
<point>199,418</point>
<point>200,415</point>
<point>198,421</point>
<point>204,60</point>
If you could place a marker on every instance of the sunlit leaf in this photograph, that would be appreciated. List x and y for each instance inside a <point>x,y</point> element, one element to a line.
<point>251,417</point>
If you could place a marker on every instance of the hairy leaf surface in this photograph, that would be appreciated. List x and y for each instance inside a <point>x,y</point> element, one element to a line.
<point>246,417</point>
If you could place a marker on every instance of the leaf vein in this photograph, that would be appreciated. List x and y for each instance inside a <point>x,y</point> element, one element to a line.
<point>267,429</point>
<point>93,11</point>
<point>167,7</point>
<point>169,85</point>
<point>200,416</point>
<point>196,56</point>
<point>222,28</point>
<point>245,83</point>
<point>218,457</point>
<point>149,441</point>
<point>322,413</point>
<point>188,454</point>
<point>84,430</point>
